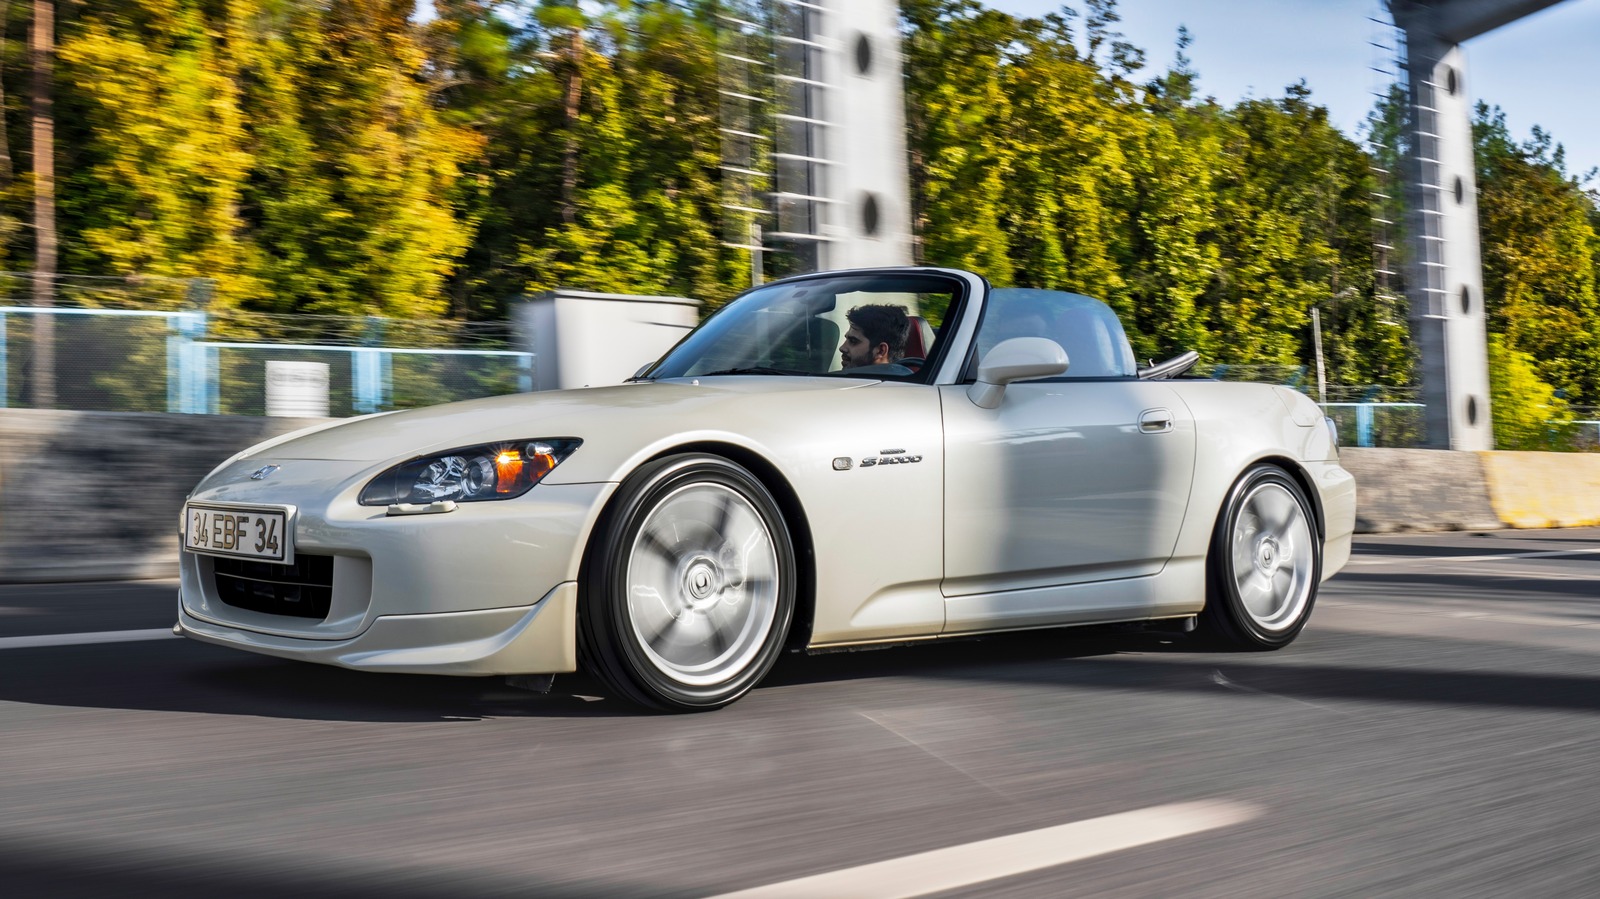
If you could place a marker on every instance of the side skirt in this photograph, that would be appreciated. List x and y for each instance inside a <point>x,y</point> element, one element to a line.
<point>1178,592</point>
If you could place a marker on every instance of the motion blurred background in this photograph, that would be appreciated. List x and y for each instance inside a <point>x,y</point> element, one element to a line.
<point>329,175</point>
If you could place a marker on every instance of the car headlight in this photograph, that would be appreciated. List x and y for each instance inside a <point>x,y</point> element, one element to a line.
<point>472,473</point>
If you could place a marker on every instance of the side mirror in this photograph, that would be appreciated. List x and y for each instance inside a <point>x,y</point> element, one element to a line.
<point>1016,359</point>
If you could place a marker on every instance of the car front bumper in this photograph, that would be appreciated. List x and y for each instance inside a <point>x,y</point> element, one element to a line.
<point>489,588</point>
<point>1337,490</point>
<point>536,639</point>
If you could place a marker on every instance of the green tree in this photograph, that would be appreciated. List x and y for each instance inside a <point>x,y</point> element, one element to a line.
<point>151,110</point>
<point>1294,218</point>
<point>1539,247</point>
<point>601,169</point>
<point>490,78</point>
<point>354,199</point>
<point>638,192</point>
<point>1173,253</point>
<point>957,117</point>
<point>1528,415</point>
<point>1067,159</point>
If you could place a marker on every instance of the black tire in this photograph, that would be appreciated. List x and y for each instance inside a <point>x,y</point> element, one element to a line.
<point>674,615</point>
<point>1265,563</point>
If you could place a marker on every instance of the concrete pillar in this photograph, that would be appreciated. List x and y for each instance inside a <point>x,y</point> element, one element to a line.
<point>1445,278</point>
<point>867,219</point>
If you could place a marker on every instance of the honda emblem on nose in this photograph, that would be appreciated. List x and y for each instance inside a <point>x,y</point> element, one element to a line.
<point>263,471</point>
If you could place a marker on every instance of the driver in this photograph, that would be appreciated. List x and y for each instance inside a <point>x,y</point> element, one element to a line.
<point>877,335</point>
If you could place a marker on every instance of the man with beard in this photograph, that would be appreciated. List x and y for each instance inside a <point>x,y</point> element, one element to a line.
<point>877,335</point>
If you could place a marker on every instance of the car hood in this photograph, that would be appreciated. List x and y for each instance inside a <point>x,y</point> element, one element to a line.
<point>578,413</point>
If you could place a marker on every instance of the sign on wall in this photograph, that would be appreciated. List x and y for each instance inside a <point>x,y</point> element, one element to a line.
<point>297,389</point>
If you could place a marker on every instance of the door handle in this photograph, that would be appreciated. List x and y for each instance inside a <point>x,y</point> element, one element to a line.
<point>1155,421</point>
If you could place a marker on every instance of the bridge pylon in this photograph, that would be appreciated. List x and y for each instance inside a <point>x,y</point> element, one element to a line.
<point>1444,283</point>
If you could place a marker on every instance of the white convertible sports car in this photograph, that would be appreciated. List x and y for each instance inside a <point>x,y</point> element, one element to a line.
<point>832,460</point>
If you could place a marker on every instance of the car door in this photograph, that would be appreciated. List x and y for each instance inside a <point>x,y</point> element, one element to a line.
<point>1067,481</point>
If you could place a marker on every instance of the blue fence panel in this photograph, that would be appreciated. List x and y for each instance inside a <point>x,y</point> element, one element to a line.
<point>374,378</point>
<point>146,360</point>
<point>1379,424</point>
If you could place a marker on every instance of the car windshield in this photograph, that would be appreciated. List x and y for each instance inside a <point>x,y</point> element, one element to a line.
<point>878,325</point>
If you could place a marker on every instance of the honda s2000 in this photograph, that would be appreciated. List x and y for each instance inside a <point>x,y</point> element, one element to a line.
<point>996,460</point>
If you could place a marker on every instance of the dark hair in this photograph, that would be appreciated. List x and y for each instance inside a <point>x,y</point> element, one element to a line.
<point>883,323</point>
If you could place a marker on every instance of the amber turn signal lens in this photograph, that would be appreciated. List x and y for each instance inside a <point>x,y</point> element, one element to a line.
<point>508,472</point>
<point>540,464</point>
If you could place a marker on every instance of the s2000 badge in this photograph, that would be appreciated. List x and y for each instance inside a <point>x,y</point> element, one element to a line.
<point>890,457</point>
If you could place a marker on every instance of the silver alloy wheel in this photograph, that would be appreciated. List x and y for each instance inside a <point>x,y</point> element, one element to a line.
<point>1274,560</point>
<point>702,582</point>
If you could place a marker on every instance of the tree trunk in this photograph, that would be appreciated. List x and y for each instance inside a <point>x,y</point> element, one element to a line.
<point>569,166</point>
<point>41,53</point>
<point>5,142</point>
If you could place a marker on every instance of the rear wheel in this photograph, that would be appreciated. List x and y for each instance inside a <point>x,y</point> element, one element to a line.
<point>691,585</point>
<point>1265,563</point>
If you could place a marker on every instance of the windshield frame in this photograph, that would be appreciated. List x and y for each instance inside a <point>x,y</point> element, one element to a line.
<point>962,287</point>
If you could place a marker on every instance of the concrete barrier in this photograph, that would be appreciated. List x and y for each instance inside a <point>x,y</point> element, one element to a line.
<point>97,495</point>
<point>1437,490</point>
<point>1544,490</point>
<point>1419,490</point>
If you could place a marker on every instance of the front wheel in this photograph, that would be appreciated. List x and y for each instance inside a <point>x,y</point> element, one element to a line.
<point>1265,563</point>
<point>691,585</point>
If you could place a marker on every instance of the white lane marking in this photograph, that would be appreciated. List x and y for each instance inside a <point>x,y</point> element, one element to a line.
<point>1020,853</point>
<point>40,640</point>
<point>1437,611</point>
<point>55,586</point>
<point>1491,557</point>
<point>1537,576</point>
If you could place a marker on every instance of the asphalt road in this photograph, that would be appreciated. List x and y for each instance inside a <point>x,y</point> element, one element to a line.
<point>1434,732</point>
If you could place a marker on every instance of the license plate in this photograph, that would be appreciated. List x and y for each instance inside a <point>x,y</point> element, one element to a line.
<point>248,533</point>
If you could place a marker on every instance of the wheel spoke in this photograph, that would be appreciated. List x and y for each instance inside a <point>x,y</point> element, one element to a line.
<point>1276,509</point>
<point>1283,582</point>
<point>658,635</point>
<point>753,542</point>
<point>1257,595</point>
<point>1243,553</point>
<point>719,525</point>
<point>718,638</point>
<point>652,541</point>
